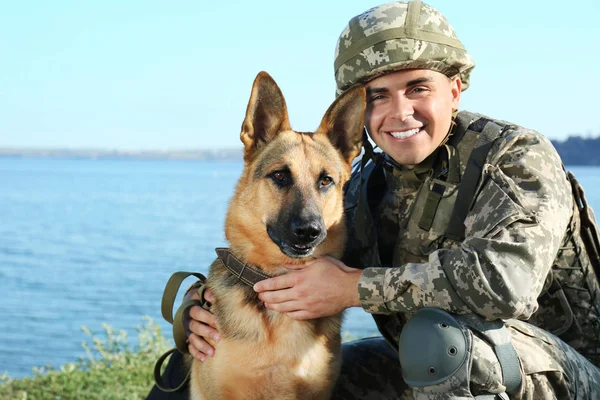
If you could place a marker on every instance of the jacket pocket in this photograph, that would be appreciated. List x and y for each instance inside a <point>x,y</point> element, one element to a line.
<point>538,351</point>
<point>495,207</point>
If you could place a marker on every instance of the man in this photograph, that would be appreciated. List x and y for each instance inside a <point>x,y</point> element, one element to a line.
<point>440,252</point>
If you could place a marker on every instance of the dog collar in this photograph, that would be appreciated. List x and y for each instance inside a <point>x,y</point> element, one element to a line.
<point>246,273</point>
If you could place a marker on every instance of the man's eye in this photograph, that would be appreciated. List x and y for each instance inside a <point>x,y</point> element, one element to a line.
<point>325,181</point>
<point>418,90</point>
<point>375,98</point>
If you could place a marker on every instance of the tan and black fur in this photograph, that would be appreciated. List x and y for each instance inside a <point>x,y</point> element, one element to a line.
<point>287,208</point>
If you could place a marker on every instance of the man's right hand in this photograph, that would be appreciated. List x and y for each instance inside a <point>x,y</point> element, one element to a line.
<point>201,324</point>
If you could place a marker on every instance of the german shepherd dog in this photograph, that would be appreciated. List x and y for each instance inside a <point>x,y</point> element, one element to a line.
<point>287,208</point>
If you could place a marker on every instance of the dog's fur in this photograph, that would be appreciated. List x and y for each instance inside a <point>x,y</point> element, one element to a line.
<point>287,208</point>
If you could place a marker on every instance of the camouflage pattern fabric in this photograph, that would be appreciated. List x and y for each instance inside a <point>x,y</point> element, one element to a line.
<point>568,307</point>
<point>550,369</point>
<point>553,369</point>
<point>397,36</point>
<point>515,232</point>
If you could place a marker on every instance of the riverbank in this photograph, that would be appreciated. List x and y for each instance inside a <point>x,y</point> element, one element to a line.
<point>111,370</point>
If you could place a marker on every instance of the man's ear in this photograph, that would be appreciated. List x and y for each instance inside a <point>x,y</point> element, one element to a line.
<point>344,121</point>
<point>266,114</point>
<point>456,89</point>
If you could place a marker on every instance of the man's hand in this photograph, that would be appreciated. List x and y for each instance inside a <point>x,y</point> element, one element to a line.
<point>201,324</point>
<point>318,288</point>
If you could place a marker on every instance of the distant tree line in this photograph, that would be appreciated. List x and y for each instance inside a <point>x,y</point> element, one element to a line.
<point>576,150</point>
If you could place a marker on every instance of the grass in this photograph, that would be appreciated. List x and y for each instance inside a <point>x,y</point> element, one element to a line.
<point>110,371</point>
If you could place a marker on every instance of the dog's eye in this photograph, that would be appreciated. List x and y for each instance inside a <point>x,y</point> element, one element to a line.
<point>325,181</point>
<point>281,178</point>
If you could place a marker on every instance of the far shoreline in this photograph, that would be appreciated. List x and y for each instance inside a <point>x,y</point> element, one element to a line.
<point>100,154</point>
<point>574,151</point>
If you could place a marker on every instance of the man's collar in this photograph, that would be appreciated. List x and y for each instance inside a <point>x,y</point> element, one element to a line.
<point>417,173</point>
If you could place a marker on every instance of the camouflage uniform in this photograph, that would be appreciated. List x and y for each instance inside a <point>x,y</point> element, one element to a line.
<point>520,230</point>
<point>513,233</point>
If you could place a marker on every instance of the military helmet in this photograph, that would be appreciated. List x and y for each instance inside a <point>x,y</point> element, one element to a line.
<point>397,36</point>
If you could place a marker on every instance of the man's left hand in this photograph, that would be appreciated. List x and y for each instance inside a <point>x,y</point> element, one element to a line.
<point>318,288</point>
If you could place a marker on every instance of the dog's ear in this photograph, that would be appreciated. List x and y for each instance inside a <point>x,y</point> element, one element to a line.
<point>344,121</point>
<point>266,114</point>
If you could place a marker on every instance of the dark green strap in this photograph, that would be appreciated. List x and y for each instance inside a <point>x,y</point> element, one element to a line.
<point>436,191</point>
<point>362,220</point>
<point>179,331</point>
<point>431,204</point>
<point>557,292</point>
<point>472,176</point>
<point>461,122</point>
<point>245,273</point>
<point>157,378</point>
<point>453,165</point>
<point>499,338</point>
<point>511,366</point>
<point>170,292</point>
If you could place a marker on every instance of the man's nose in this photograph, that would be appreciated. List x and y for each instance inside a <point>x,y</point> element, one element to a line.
<point>402,107</point>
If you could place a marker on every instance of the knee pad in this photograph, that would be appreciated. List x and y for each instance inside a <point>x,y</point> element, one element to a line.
<point>436,354</point>
<point>433,347</point>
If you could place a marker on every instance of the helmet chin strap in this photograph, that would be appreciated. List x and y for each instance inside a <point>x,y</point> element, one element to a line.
<point>452,125</point>
<point>369,154</point>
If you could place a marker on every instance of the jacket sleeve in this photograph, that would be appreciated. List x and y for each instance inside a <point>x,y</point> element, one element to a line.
<point>513,232</point>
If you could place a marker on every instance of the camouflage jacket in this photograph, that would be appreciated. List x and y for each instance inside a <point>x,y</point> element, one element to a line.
<point>515,233</point>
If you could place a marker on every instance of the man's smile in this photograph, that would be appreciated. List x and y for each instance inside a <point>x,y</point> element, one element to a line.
<point>404,134</point>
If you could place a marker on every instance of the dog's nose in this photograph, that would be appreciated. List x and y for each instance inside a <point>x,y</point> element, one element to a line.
<point>307,231</point>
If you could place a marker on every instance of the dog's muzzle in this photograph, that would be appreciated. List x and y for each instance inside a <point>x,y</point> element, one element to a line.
<point>301,239</point>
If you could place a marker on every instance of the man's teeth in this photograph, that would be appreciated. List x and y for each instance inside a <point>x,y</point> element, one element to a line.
<point>405,134</point>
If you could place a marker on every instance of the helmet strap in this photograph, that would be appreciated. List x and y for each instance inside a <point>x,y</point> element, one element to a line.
<point>452,125</point>
<point>369,154</point>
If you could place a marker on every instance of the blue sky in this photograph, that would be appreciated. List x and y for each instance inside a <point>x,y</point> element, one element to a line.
<point>177,74</point>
